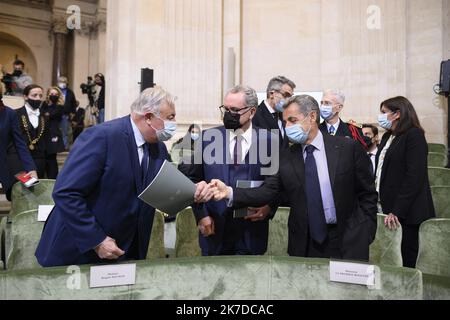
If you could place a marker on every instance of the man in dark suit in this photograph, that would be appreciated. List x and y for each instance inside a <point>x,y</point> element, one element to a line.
<point>10,135</point>
<point>331,190</point>
<point>231,153</point>
<point>97,214</point>
<point>330,110</point>
<point>70,106</point>
<point>269,114</point>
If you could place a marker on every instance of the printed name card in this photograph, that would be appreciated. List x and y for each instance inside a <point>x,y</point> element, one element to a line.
<point>112,275</point>
<point>44,212</point>
<point>355,273</point>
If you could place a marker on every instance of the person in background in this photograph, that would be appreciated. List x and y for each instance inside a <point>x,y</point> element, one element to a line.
<point>10,135</point>
<point>402,174</point>
<point>53,109</point>
<point>184,147</point>
<point>69,110</point>
<point>100,103</point>
<point>17,81</point>
<point>78,122</point>
<point>370,131</point>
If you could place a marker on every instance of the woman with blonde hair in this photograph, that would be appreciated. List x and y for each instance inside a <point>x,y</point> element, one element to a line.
<point>52,109</point>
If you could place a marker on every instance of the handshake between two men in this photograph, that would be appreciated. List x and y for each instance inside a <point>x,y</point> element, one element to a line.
<point>217,190</point>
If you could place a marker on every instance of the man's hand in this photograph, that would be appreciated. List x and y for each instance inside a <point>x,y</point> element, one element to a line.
<point>206,226</point>
<point>391,222</point>
<point>258,214</point>
<point>204,193</point>
<point>109,250</point>
<point>220,190</point>
<point>32,174</point>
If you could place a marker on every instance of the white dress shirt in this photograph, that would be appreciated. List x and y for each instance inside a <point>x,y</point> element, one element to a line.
<point>280,123</point>
<point>335,126</point>
<point>246,142</point>
<point>372,156</point>
<point>33,115</point>
<point>320,156</point>
<point>139,140</point>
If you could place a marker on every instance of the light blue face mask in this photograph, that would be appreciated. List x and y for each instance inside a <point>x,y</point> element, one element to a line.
<point>326,112</point>
<point>279,105</point>
<point>297,134</point>
<point>195,136</point>
<point>384,122</point>
<point>170,127</point>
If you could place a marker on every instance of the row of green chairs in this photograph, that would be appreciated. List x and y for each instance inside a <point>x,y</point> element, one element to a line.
<point>437,148</point>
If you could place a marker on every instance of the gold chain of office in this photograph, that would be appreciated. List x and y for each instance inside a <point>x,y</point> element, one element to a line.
<point>33,143</point>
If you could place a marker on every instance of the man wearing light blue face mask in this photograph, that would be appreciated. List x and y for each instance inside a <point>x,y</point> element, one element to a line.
<point>329,184</point>
<point>269,113</point>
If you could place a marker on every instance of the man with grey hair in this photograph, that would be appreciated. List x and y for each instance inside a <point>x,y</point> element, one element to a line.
<point>98,216</point>
<point>269,113</point>
<point>330,110</point>
<point>69,111</point>
<point>232,153</point>
<point>329,185</point>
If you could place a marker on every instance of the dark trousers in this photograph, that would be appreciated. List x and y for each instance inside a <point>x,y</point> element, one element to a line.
<point>410,245</point>
<point>328,249</point>
<point>51,166</point>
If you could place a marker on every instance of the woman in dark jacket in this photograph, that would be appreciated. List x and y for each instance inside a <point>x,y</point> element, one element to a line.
<point>402,174</point>
<point>53,109</point>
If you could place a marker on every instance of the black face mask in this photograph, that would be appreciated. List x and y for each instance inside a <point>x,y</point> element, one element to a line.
<point>17,73</point>
<point>54,99</point>
<point>34,104</point>
<point>232,121</point>
<point>368,141</point>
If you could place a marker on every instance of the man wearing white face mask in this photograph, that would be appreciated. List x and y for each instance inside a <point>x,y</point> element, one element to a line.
<point>98,216</point>
<point>70,108</point>
<point>329,185</point>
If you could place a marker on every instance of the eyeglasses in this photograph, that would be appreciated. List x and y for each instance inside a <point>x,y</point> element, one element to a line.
<point>232,110</point>
<point>285,95</point>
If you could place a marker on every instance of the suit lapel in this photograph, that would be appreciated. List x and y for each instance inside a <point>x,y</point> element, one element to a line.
<point>332,151</point>
<point>226,155</point>
<point>130,142</point>
<point>296,157</point>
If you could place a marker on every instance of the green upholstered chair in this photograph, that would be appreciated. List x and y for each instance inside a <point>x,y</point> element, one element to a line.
<point>186,243</point>
<point>211,278</point>
<point>434,247</point>
<point>438,148</point>
<point>2,241</point>
<point>278,233</point>
<point>386,248</point>
<point>436,287</point>
<point>439,176</point>
<point>441,199</point>
<point>25,235</point>
<point>437,159</point>
<point>156,245</point>
<point>24,199</point>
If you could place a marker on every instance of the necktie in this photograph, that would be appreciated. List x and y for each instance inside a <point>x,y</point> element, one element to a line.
<point>316,215</point>
<point>332,131</point>
<point>237,151</point>
<point>144,164</point>
<point>275,116</point>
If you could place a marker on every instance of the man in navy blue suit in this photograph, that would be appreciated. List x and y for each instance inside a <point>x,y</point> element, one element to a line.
<point>10,134</point>
<point>98,215</point>
<point>235,151</point>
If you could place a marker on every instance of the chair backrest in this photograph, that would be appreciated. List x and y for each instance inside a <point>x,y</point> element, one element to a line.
<point>437,159</point>
<point>186,243</point>
<point>25,199</point>
<point>434,247</point>
<point>278,233</point>
<point>3,241</point>
<point>386,248</point>
<point>156,246</point>
<point>441,200</point>
<point>439,176</point>
<point>438,148</point>
<point>26,232</point>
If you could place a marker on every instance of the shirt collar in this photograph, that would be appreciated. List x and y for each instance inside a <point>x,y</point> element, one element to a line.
<point>335,126</point>
<point>269,107</point>
<point>31,111</point>
<point>247,135</point>
<point>317,142</point>
<point>137,134</point>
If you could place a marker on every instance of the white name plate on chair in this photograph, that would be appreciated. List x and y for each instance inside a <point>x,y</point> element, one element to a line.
<point>112,275</point>
<point>355,273</point>
<point>44,212</point>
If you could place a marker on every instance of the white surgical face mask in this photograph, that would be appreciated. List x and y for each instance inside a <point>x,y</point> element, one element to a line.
<point>195,136</point>
<point>384,122</point>
<point>296,134</point>
<point>166,133</point>
<point>62,85</point>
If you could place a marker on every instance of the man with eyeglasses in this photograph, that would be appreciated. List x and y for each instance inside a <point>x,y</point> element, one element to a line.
<point>330,110</point>
<point>231,153</point>
<point>269,114</point>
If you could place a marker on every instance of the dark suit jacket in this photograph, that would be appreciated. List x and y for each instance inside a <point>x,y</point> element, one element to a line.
<point>10,135</point>
<point>353,190</point>
<point>70,103</point>
<point>53,114</point>
<point>344,131</point>
<point>256,233</point>
<point>96,195</point>
<point>404,186</point>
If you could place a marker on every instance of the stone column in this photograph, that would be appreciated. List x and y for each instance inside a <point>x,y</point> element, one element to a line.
<point>60,66</point>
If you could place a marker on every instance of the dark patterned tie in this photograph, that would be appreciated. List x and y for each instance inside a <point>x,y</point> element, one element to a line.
<point>144,164</point>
